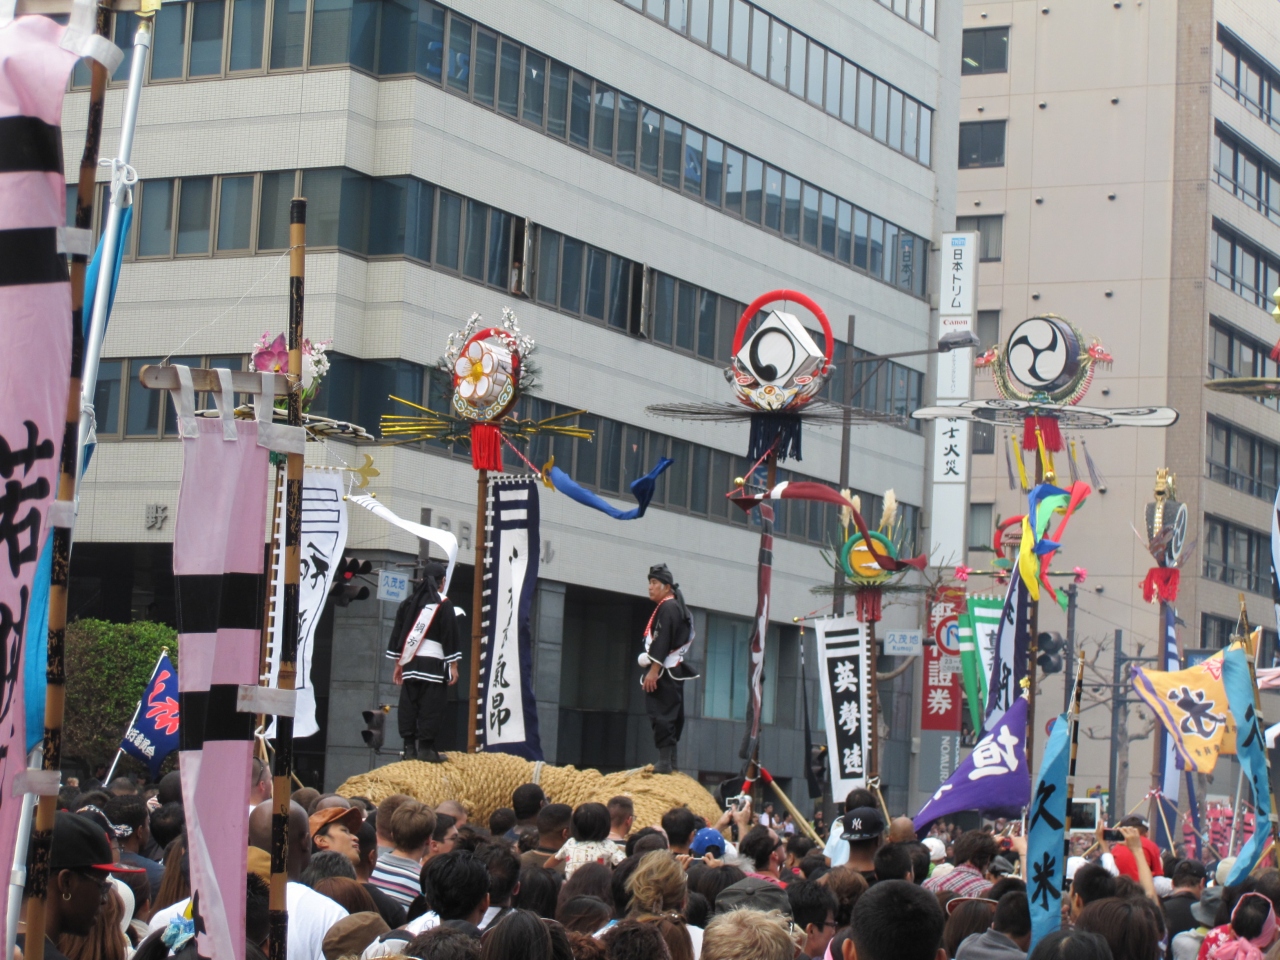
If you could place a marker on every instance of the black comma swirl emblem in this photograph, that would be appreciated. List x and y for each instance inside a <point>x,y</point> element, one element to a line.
<point>1037,354</point>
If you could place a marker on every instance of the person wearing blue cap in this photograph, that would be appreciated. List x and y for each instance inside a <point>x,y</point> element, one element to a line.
<point>707,841</point>
<point>667,640</point>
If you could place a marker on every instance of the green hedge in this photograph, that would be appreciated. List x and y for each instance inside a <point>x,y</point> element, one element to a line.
<point>108,666</point>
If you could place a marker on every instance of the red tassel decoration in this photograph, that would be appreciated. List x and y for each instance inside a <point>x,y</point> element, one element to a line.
<point>1048,430</point>
<point>1161,583</point>
<point>869,604</point>
<point>486,447</point>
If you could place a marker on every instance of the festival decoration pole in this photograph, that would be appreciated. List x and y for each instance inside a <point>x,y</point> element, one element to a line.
<point>283,772</point>
<point>55,673</point>
<point>122,178</point>
<point>477,599</point>
<point>1074,718</point>
<point>846,440</point>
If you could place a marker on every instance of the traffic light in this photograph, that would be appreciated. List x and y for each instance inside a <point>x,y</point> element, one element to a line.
<point>375,722</point>
<point>1050,646</point>
<point>345,587</point>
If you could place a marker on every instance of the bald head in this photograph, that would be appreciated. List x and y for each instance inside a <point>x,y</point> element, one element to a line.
<point>902,830</point>
<point>454,809</point>
<point>299,835</point>
<point>332,801</point>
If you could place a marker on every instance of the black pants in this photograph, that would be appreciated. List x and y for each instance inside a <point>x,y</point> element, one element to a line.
<point>665,707</point>
<point>421,707</point>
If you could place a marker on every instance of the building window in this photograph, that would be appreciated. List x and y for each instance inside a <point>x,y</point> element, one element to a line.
<point>982,144</point>
<point>984,436</point>
<point>1246,172</point>
<point>1243,267</point>
<point>985,51</point>
<point>1241,460</point>
<point>990,232</point>
<point>981,516</point>
<point>1247,77</point>
<point>988,328</point>
<point>1237,556</point>
<point>1236,354</point>
<point>124,408</point>
<point>728,666</point>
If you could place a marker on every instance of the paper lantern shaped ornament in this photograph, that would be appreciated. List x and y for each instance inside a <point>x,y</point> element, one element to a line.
<point>778,366</point>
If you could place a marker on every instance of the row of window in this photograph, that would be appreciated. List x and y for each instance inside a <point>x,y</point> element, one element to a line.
<point>1236,354</point>
<point>1237,556</point>
<point>746,35</point>
<point>1243,266</point>
<point>1216,632</point>
<point>505,76</point>
<point>1248,77</point>
<point>1247,173</point>
<point>1242,461</point>
<point>984,50</point>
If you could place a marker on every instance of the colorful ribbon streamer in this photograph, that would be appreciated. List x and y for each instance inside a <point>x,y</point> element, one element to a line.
<point>641,489</point>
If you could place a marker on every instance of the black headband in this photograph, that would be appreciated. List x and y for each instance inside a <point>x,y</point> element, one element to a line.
<point>660,573</point>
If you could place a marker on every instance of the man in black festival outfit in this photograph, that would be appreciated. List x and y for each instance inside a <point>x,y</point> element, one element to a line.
<point>427,625</point>
<point>667,640</point>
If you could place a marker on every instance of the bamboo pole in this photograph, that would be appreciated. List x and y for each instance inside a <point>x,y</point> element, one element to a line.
<point>481,538</point>
<point>55,672</point>
<point>1074,719</point>
<point>279,914</point>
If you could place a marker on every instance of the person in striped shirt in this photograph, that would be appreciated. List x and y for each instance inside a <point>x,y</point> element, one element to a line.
<point>397,873</point>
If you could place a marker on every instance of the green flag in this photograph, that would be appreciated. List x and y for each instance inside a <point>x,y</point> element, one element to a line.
<point>970,668</point>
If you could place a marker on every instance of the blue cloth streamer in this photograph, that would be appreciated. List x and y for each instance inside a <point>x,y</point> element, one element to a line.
<point>641,489</point>
<point>37,643</point>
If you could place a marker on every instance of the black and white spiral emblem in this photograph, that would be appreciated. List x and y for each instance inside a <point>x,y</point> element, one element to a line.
<point>1043,354</point>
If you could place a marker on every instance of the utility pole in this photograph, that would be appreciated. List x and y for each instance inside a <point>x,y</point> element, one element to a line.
<point>846,383</point>
<point>1071,647</point>
<point>1116,706</point>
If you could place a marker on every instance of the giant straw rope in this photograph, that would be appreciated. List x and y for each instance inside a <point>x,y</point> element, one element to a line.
<point>483,782</point>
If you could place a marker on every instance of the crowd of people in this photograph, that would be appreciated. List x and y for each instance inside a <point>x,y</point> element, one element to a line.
<point>541,880</point>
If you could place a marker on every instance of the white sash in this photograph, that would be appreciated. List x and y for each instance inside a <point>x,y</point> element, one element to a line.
<point>415,637</point>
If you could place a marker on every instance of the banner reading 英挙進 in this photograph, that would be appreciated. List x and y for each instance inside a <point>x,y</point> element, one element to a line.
<point>509,714</point>
<point>844,671</point>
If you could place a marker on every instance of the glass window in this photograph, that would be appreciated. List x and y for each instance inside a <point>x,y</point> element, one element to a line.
<point>778,43</point>
<point>687,319</point>
<point>143,416</point>
<point>597,278</point>
<point>676,15</point>
<point>706,324</point>
<point>649,140</point>
<point>699,470</point>
<point>628,119</point>
<point>486,68</point>
<point>323,190</point>
<point>910,123</point>
<point>844,231</point>
<point>817,71</point>
<point>924,154</point>
<point>980,529</point>
<point>895,119</point>
<point>730,312</point>
<point>678,474</point>
<point>459,53</point>
<point>418,221</point>
<point>106,396</point>
<point>548,265</point>
<point>890,248</point>
<point>692,162</point>
<point>828,225</point>
<point>720,26</point>
<point>288,28</point>
<point>833,83</point>
<point>985,51</point>
<point>860,239</point>
<point>449,230</point>
<point>248,22</point>
<point>619,293</point>
<point>535,82</point>
<point>169,42</point>
<point>671,152</point>
<point>584,460</point>
<point>580,112</point>
<point>473,253</point>
<point>124,29</point>
<point>557,100</point>
<point>759,42</point>
<point>664,307</point>
<point>876,264</point>
<point>753,189</point>
<point>733,181</point>
<point>206,38</point>
<point>509,79</point>
<point>499,249</point>
<point>235,211</point>
<point>881,126</point>
<point>866,91</point>
<point>397,36</point>
<point>699,20</point>
<point>849,95</point>
<point>741,32</point>
<point>796,65</point>
<point>330,27</point>
<point>273,210</point>
<point>791,208</point>
<point>571,276</point>
<point>982,144</point>
<point>773,199</point>
<point>430,42</point>
<point>715,171</point>
<point>155,226</point>
<point>610,455</point>
<point>809,229</point>
<point>603,129</point>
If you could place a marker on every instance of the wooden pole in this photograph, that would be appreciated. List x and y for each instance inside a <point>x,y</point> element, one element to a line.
<point>69,469</point>
<point>481,537</point>
<point>1073,717</point>
<point>846,441</point>
<point>753,763</point>
<point>269,601</point>
<point>277,946</point>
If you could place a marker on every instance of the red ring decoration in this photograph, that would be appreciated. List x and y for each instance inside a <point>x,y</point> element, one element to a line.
<point>997,540</point>
<point>773,296</point>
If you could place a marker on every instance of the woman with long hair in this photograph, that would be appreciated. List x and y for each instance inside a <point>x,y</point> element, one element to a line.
<point>175,885</point>
<point>658,894</point>
<point>520,935</point>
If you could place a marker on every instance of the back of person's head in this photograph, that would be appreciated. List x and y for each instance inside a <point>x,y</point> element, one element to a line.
<point>696,909</point>
<point>1013,915</point>
<point>920,860</point>
<point>1188,873</point>
<point>584,914</point>
<point>90,798</point>
<point>641,836</point>
<point>637,940</point>
<point>590,822</point>
<point>814,865</point>
<point>537,892</point>
<point>443,943</point>
<point>526,800</point>
<point>799,846</point>
<point>654,841</point>
<point>896,920</point>
<point>679,825</point>
<point>848,885</point>
<point>618,885</point>
<point>621,809</point>
<point>1092,883</point>
<point>348,893</point>
<point>859,797</point>
<point>325,864</point>
<point>964,919</point>
<point>387,809</point>
<point>169,789</point>
<point>127,810</point>
<point>811,902</point>
<point>123,787</point>
<point>709,883</point>
<point>748,935</point>
<point>589,880</point>
<point>1249,917</point>
<point>411,825</point>
<point>561,948</point>
<point>367,838</point>
<point>504,870</point>
<point>976,848</point>
<point>520,935</point>
<point>1071,944</point>
<point>586,947</point>
<point>1006,885</point>
<point>501,820</point>
<point>257,914</point>
<point>657,885</point>
<point>758,846</point>
<point>167,822</point>
<point>893,862</point>
<point>455,884</point>
<point>1129,929</point>
<point>553,818</point>
<point>175,884</point>
<point>675,934</point>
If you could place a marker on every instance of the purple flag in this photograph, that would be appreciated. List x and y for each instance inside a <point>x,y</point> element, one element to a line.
<point>994,779</point>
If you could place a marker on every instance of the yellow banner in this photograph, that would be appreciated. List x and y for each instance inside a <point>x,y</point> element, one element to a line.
<point>1192,705</point>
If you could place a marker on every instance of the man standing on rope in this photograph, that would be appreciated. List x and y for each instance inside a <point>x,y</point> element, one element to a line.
<point>424,644</point>
<point>667,640</point>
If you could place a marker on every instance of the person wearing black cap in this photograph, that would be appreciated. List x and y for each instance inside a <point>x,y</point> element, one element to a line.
<point>424,643</point>
<point>667,639</point>
<point>80,871</point>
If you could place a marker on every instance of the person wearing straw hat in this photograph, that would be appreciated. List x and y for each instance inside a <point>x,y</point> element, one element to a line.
<point>424,644</point>
<point>667,640</point>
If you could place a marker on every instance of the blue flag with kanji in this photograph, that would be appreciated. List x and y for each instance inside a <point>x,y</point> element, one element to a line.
<point>1251,752</point>
<point>1046,819</point>
<point>153,734</point>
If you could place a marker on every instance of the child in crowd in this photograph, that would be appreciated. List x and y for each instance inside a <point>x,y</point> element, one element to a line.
<point>590,842</point>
